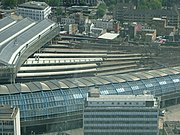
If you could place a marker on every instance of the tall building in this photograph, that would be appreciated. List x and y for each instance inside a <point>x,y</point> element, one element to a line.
<point>9,120</point>
<point>34,10</point>
<point>121,115</point>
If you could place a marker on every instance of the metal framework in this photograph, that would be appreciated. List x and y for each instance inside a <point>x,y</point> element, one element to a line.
<point>54,102</point>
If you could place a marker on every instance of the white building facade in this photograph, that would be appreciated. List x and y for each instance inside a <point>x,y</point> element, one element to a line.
<point>104,24</point>
<point>34,10</point>
<point>121,115</point>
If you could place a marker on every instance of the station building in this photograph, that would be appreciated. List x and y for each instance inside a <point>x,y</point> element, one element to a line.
<point>18,40</point>
<point>48,103</point>
<point>48,106</point>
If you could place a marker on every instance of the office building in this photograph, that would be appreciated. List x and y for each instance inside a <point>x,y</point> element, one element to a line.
<point>9,120</point>
<point>34,10</point>
<point>121,115</point>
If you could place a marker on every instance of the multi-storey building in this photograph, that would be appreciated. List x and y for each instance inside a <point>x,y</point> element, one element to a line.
<point>9,120</point>
<point>34,10</point>
<point>109,25</point>
<point>104,24</point>
<point>129,14</point>
<point>121,115</point>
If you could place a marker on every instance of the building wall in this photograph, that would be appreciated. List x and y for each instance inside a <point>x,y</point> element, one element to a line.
<point>146,16</point>
<point>34,14</point>
<point>109,25</point>
<point>120,118</point>
<point>67,21</point>
<point>17,125</point>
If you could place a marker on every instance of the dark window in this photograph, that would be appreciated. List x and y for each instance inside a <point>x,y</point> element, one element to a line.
<point>149,103</point>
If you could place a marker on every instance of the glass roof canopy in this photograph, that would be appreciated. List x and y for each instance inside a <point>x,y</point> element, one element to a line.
<point>53,97</point>
<point>86,81</point>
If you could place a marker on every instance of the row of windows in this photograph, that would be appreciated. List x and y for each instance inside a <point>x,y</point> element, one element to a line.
<point>118,133</point>
<point>133,110</point>
<point>120,103</point>
<point>118,127</point>
<point>119,121</point>
<point>27,10</point>
<point>120,116</point>
<point>121,113</point>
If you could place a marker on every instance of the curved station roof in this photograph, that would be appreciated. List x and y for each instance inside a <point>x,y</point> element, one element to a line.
<point>16,38</point>
<point>90,81</point>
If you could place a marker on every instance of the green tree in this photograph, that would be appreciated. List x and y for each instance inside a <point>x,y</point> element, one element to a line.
<point>111,4</point>
<point>53,2</point>
<point>82,2</point>
<point>150,4</point>
<point>58,11</point>
<point>101,10</point>
<point>9,3</point>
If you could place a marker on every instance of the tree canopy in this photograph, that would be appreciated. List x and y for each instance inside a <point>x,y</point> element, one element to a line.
<point>101,10</point>
<point>9,3</point>
<point>150,4</point>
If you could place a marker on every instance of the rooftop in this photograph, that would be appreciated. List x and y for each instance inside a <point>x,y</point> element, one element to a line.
<point>88,81</point>
<point>122,98</point>
<point>14,30</point>
<point>6,21</point>
<point>9,52</point>
<point>7,112</point>
<point>34,5</point>
<point>110,36</point>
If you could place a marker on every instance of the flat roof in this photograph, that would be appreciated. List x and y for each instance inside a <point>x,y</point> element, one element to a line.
<point>8,112</point>
<point>34,5</point>
<point>122,98</point>
<point>109,36</point>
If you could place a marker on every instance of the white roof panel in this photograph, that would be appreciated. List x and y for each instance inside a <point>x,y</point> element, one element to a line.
<point>109,36</point>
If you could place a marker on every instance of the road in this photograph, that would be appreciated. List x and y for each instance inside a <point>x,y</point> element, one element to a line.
<point>172,114</point>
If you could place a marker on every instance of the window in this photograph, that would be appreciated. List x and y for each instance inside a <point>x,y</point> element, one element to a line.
<point>162,83</point>
<point>120,90</point>
<point>176,80</point>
